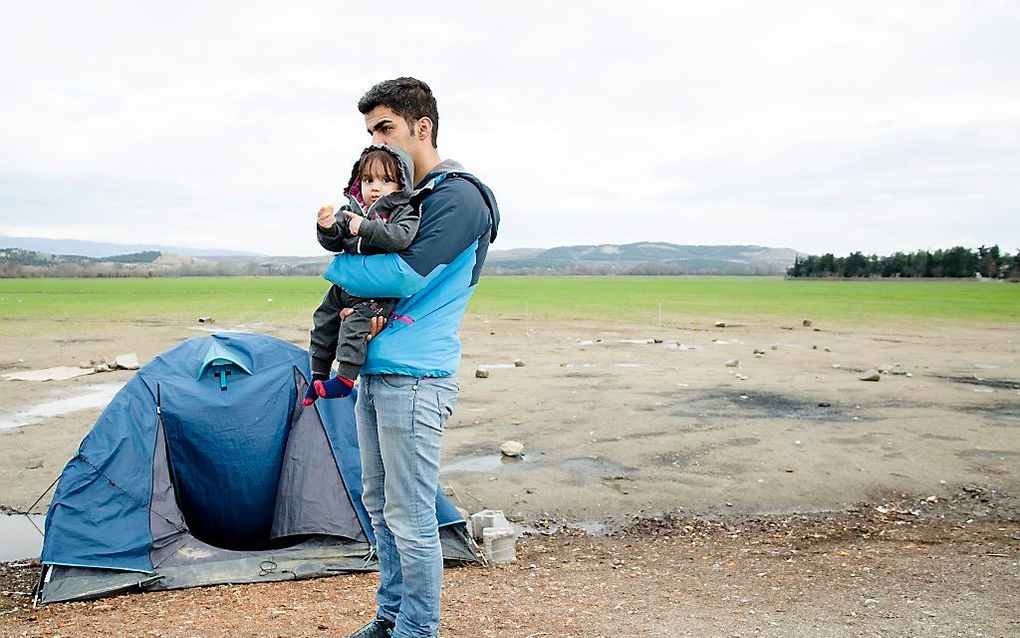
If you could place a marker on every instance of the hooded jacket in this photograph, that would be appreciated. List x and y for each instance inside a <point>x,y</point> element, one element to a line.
<point>433,277</point>
<point>390,224</point>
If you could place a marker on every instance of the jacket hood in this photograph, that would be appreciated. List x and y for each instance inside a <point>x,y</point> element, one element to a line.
<point>445,169</point>
<point>353,190</point>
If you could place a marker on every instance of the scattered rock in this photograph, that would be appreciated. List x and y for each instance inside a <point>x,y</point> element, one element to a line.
<point>101,367</point>
<point>836,366</point>
<point>720,324</point>
<point>871,375</point>
<point>481,373</point>
<point>33,464</point>
<point>656,340</point>
<point>774,347</point>
<point>884,368</point>
<point>733,363</point>
<point>205,320</point>
<point>828,349</point>
<point>512,448</point>
<point>518,363</point>
<point>806,323</point>
<point>743,377</point>
<point>824,404</point>
<point>759,351</point>
<point>899,372</point>
<point>817,329</point>
<point>814,347</point>
<point>127,361</point>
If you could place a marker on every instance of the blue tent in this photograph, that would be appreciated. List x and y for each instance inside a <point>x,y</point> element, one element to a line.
<point>206,468</point>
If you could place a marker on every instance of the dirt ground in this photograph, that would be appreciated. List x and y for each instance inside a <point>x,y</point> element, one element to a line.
<point>617,426</point>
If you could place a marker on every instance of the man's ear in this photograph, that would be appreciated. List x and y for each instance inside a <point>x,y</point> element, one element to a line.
<point>423,128</point>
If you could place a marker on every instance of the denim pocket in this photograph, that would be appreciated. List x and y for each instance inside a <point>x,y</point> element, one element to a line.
<point>446,401</point>
<point>397,381</point>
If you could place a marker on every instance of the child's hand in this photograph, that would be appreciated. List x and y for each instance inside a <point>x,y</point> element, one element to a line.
<point>326,217</point>
<point>355,221</point>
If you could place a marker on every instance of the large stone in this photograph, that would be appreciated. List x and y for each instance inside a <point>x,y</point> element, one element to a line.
<point>481,373</point>
<point>733,363</point>
<point>871,375</point>
<point>127,361</point>
<point>518,363</point>
<point>512,448</point>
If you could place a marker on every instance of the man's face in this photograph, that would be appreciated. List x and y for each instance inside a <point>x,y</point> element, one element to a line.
<point>386,127</point>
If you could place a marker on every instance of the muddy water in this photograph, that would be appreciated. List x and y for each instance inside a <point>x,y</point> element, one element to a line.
<point>20,536</point>
<point>97,396</point>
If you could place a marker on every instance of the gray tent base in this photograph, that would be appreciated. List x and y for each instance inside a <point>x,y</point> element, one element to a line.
<point>198,564</point>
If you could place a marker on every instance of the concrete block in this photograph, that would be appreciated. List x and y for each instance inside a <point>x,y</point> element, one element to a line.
<point>499,545</point>
<point>486,518</point>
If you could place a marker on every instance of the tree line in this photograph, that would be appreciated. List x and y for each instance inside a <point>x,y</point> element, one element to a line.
<point>958,261</point>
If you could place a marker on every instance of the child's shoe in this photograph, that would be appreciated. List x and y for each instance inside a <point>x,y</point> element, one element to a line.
<point>335,388</point>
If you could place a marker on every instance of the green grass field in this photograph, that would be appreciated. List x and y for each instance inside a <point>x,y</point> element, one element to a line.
<point>640,299</point>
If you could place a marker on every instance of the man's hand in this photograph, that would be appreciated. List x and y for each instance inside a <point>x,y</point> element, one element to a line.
<point>377,323</point>
<point>355,223</point>
<point>326,218</point>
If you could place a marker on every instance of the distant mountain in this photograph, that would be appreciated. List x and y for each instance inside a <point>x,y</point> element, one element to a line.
<point>103,249</point>
<point>18,262</point>
<point>643,258</point>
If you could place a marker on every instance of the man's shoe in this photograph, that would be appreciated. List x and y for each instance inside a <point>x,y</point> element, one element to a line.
<point>378,628</point>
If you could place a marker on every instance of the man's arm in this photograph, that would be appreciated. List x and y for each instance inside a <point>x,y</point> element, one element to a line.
<point>452,218</point>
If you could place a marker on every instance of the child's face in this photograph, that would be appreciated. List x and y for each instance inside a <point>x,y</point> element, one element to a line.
<point>375,184</point>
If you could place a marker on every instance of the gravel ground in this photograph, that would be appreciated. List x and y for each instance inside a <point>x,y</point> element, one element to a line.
<point>905,567</point>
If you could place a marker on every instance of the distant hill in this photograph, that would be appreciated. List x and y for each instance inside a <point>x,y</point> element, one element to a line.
<point>103,249</point>
<point>643,258</point>
<point>18,262</point>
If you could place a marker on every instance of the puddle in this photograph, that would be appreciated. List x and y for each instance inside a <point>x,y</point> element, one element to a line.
<point>19,536</point>
<point>97,396</point>
<point>587,470</point>
<point>726,404</point>
<point>592,528</point>
<point>483,464</point>
<point>996,455</point>
<point>1002,384</point>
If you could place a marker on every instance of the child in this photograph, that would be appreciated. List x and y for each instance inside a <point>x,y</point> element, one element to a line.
<point>378,218</point>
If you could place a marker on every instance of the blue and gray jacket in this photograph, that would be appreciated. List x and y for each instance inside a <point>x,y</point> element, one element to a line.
<point>433,277</point>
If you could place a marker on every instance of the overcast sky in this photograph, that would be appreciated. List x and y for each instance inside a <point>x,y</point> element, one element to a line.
<point>820,126</point>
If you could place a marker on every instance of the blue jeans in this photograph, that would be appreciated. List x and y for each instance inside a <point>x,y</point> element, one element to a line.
<point>400,429</point>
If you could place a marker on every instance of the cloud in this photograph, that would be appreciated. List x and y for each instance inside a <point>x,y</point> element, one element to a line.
<point>818,126</point>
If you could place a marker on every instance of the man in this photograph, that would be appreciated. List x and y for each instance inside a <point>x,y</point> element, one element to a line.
<point>407,389</point>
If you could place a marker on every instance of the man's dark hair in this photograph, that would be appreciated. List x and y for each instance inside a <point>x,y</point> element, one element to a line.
<point>409,98</point>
